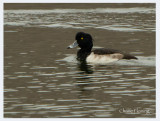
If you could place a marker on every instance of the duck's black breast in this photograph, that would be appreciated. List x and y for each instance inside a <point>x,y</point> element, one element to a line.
<point>82,54</point>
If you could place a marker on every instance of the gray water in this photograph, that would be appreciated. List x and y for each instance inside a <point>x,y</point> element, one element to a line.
<point>42,79</point>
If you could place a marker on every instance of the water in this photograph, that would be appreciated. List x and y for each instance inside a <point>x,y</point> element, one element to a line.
<point>42,79</point>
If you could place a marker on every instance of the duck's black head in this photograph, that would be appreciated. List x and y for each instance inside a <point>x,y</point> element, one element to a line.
<point>83,40</point>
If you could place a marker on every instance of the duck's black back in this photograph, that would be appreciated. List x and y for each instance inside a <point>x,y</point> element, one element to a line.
<point>104,51</point>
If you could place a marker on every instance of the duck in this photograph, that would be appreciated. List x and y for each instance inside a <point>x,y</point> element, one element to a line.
<point>96,56</point>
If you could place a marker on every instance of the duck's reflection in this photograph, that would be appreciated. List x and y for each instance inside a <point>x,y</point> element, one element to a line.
<point>85,80</point>
<point>83,66</point>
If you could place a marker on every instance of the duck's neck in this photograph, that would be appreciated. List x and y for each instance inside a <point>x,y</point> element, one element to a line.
<point>83,53</point>
<point>84,50</point>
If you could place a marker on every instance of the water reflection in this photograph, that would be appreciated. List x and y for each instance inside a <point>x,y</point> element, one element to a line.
<point>83,66</point>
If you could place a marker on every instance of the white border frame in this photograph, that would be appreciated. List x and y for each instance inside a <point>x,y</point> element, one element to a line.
<point>85,1</point>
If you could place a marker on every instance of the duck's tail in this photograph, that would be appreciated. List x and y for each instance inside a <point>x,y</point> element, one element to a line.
<point>128,56</point>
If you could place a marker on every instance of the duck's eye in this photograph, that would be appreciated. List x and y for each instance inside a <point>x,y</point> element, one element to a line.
<point>81,38</point>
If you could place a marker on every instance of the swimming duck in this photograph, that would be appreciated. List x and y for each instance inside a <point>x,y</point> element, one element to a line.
<point>99,56</point>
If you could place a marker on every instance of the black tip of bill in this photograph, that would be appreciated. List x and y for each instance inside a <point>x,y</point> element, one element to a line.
<point>68,48</point>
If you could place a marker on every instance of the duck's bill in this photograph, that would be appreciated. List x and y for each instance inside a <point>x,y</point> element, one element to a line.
<point>75,44</point>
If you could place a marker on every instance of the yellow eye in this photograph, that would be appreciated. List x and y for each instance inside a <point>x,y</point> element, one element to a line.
<point>81,38</point>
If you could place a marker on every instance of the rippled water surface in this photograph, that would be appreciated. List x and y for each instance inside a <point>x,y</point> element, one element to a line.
<point>42,79</point>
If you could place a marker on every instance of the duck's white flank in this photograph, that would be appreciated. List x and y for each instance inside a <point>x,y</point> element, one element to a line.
<point>103,59</point>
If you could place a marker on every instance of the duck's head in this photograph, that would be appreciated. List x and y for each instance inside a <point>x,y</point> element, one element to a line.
<point>83,40</point>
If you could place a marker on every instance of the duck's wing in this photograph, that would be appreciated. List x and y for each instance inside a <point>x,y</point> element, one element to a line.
<point>105,51</point>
